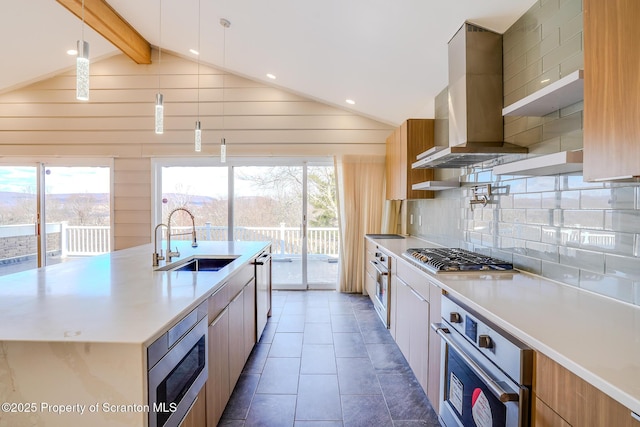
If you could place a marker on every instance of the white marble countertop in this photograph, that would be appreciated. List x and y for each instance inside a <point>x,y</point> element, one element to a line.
<point>593,336</point>
<point>112,298</point>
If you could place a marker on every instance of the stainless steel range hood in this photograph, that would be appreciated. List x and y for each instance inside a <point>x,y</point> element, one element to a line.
<point>475,102</point>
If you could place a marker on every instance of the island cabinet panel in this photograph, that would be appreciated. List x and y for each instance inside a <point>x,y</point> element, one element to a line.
<point>413,137</point>
<point>218,390</point>
<point>197,415</point>
<point>573,400</point>
<point>236,338</point>
<point>232,336</point>
<point>611,89</point>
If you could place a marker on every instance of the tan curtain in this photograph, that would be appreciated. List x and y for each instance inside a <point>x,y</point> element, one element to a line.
<point>361,187</point>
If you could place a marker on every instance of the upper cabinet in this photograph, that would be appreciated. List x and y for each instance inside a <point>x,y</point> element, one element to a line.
<point>413,137</point>
<point>611,89</point>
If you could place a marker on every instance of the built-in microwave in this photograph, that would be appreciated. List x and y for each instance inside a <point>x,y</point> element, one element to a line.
<point>177,369</point>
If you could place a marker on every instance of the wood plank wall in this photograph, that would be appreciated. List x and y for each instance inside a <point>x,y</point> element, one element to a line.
<point>131,202</point>
<point>44,120</point>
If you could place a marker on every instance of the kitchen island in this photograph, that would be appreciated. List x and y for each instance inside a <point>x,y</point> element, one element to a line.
<point>74,336</point>
<point>590,335</point>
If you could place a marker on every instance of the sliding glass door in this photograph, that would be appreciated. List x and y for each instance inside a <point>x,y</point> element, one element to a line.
<point>269,205</point>
<point>291,205</point>
<point>50,214</point>
<point>18,210</point>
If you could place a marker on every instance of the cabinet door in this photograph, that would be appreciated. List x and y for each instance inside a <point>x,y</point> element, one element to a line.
<point>236,338</point>
<point>611,89</point>
<point>435,347</point>
<point>543,416</point>
<point>217,386</point>
<point>403,317</point>
<point>419,338</point>
<point>197,415</point>
<point>249,300</point>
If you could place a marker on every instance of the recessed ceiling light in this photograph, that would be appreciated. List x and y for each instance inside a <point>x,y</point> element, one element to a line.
<point>195,52</point>
<point>72,52</point>
<point>544,81</point>
<point>271,76</point>
<point>350,101</point>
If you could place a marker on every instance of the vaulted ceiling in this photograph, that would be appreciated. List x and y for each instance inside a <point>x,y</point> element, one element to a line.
<point>390,57</point>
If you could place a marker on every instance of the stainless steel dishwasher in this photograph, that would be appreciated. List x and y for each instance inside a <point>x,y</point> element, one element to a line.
<point>263,291</point>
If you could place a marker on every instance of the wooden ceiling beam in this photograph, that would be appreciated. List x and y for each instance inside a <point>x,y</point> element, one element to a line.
<point>100,16</point>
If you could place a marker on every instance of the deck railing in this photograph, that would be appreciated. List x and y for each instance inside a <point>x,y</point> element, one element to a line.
<point>94,240</point>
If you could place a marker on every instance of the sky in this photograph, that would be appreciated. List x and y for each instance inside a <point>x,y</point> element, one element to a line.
<point>58,180</point>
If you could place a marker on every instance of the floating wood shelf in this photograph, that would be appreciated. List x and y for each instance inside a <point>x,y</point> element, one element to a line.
<point>548,164</point>
<point>566,91</point>
<point>435,185</point>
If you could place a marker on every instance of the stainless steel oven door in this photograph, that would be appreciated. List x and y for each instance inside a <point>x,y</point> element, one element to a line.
<point>474,392</point>
<point>381,300</point>
<point>174,382</point>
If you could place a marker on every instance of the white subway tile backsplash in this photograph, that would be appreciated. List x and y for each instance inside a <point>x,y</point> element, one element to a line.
<point>561,273</point>
<point>607,241</point>
<point>593,219</point>
<point>622,220</point>
<point>622,266</point>
<point>532,200</point>
<point>581,259</point>
<point>615,287</point>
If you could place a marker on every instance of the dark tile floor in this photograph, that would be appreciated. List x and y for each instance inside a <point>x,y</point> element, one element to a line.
<point>326,360</point>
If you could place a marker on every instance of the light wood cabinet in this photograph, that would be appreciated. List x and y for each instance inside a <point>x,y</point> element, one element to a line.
<point>218,390</point>
<point>236,338</point>
<point>573,400</point>
<point>413,137</point>
<point>232,336</point>
<point>197,415</point>
<point>611,89</point>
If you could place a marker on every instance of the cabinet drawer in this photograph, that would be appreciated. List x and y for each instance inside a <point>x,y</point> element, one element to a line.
<point>240,279</point>
<point>414,278</point>
<point>218,301</point>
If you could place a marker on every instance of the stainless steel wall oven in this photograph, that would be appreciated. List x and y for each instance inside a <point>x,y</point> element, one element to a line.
<point>486,375</point>
<point>177,369</point>
<point>381,300</point>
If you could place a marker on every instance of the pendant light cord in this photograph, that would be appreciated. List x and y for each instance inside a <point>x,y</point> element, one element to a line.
<point>159,45</point>
<point>224,71</point>
<point>199,53</point>
<point>82,32</point>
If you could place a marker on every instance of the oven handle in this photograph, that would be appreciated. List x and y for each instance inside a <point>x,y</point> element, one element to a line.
<point>380,270</point>
<point>500,392</point>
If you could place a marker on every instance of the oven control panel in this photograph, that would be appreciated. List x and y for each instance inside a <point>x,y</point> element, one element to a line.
<point>488,338</point>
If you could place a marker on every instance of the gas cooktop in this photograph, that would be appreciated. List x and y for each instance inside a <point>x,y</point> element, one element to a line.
<point>440,260</point>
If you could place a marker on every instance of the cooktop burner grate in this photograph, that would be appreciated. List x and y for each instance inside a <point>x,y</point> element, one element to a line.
<point>455,259</point>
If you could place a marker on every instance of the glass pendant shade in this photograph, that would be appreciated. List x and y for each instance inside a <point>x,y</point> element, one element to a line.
<point>198,140</point>
<point>82,71</point>
<point>159,113</point>
<point>223,151</point>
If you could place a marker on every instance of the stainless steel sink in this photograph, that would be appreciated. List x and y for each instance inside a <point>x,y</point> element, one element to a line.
<point>200,263</point>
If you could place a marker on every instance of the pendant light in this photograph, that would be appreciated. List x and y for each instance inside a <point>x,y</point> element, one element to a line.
<point>223,143</point>
<point>159,114</point>
<point>198,131</point>
<point>82,66</point>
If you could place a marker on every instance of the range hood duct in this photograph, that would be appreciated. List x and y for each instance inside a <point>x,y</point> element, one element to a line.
<point>475,102</point>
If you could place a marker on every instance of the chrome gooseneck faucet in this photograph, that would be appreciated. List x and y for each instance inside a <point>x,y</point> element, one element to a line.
<point>157,257</point>
<point>194,242</point>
